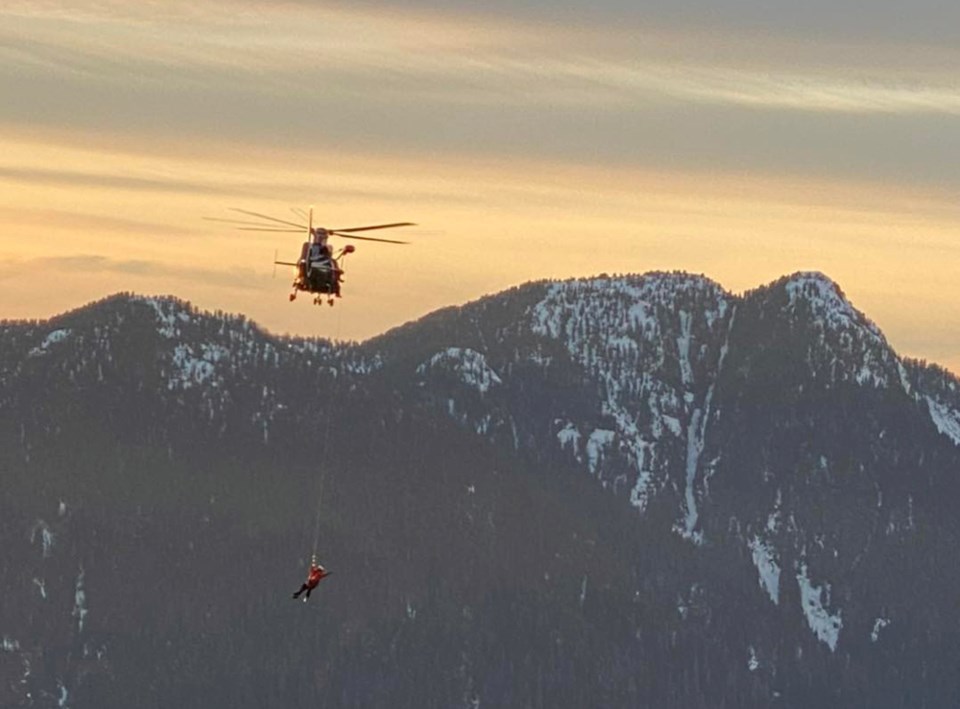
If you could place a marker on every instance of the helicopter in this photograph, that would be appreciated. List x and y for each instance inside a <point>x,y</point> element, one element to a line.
<point>319,269</point>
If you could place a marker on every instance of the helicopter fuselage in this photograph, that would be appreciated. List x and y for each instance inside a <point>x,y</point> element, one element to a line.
<point>318,271</point>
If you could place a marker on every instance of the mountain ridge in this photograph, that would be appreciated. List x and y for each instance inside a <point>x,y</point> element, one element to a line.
<point>696,494</point>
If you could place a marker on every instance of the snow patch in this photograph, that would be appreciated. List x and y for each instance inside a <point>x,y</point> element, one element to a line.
<point>904,378</point>
<point>641,492</point>
<point>695,443</point>
<point>569,436</point>
<point>825,625</point>
<point>166,316</point>
<point>64,695</point>
<point>51,339</point>
<point>190,369</point>
<point>764,558</point>
<point>42,529</point>
<point>878,625</point>
<point>80,601</point>
<point>683,348</point>
<point>827,302</point>
<point>871,372</point>
<point>946,420</point>
<point>469,365</point>
<point>694,449</point>
<point>598,440</point>
<point>773,519</point>
<point>753,663</point>
<point>55,337</point>
<point>673,425</point>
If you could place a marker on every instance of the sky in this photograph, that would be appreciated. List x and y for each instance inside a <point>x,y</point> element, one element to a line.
<point>743,140</point>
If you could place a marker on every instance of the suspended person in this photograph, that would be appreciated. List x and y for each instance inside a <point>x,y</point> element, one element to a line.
<point>315,575</point>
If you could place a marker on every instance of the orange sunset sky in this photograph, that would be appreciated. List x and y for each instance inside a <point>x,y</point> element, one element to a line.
<point>527,139</point>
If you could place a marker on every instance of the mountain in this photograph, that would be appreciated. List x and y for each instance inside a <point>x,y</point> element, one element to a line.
<point>616,491</point>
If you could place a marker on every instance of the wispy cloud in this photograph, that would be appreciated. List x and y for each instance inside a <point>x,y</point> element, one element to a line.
<point>432,82</point>
<point>233,279</point>
<point>296,51</point>
<point>74,221</point>
<point>53,176</point>
<point>220,176</point>
<point>646,88</point>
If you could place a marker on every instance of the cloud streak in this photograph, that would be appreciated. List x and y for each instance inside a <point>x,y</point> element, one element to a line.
<point>448,61</point>
<point>76,178</point>
<point>94,264</point>
<point>12,217</point>
<point>648,89</point>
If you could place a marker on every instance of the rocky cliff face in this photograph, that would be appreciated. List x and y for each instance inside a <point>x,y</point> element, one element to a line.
<point>601,492</point>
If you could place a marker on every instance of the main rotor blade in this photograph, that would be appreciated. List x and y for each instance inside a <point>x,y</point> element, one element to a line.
<point>368,228</point>
<point>265,228</point>
<point>299,212</point>
<point>367,238</point>
<point>233,221</point>
<point>264,216</point>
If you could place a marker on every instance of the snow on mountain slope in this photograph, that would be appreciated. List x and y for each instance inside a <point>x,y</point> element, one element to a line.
<point>938,393</point>
<point>652,349</point>
<point>946,419</point>
<point>650,356</point>
<point>814,290</point>
<point>767,567</point>
<point>846,345</point>
<point>467,365</point>
<point>653,345</point>
<point>823,623</point>
<point>55,337</point>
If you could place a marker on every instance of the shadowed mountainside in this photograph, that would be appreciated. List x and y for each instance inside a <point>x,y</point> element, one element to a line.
<point>618,491</point>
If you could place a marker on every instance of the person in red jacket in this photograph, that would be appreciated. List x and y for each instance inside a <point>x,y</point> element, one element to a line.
<point>316,574</point>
